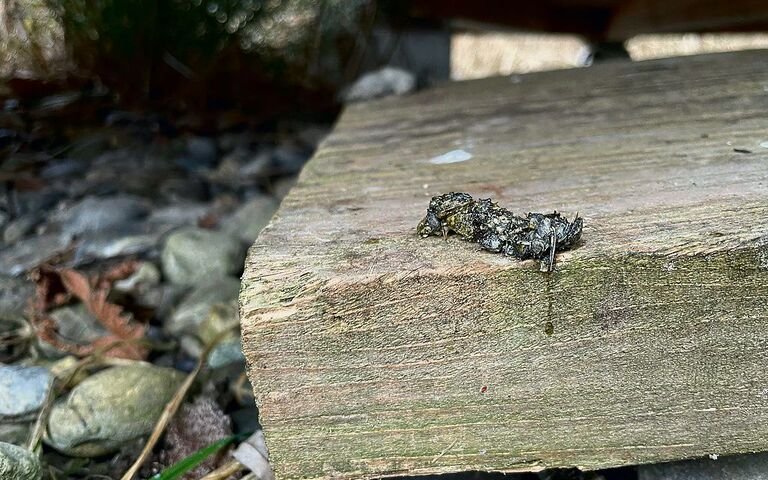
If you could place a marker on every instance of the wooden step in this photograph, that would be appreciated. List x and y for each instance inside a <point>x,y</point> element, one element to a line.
<point>374,352</point>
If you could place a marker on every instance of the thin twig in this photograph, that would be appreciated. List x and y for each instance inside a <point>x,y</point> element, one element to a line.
<point>42,419</point>
<point>224,471</point>
<point>170,409</point>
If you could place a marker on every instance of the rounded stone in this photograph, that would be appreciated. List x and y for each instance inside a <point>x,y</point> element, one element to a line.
<point>94,214</point>
<point>17,463</point>
<point>14,296</point>
<point>110,409</point>
<point>192,256</point>
<point>195,308</point>
<point>22,390</point>
<point>247,222</point>
<point>226,353</point>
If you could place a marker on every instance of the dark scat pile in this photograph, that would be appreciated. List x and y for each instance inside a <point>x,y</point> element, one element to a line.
<point>498,230</point>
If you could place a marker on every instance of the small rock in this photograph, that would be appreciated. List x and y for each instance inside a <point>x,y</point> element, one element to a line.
<point>129,240</point>
<point>77,325</point>
<point>23,256</point>
<point>226,353</point>
<point>222,317</point>
<point>17,463</point>
<point>193,255</point>
<point>229,141</point>
<point>110,409</point>
<point>37,201</point>
<point>183,189</point>
<point>161,298</point>
<point>387,81</point>
<point>147,274</point>
<point>253,454</point>
<point>736,467</point>
<point>201,153</point>
<point>63,368</point>
<point>191,346</point>
<point>63,168</point>
<point>14,295</point>
<point>228,172</point>
<point>196,306</point>
<point>20,227</point>
<point>248,221</point>
<point>15,432</point>
<point>94,214</point>
<point>179,214</point>
<point>22,390</point>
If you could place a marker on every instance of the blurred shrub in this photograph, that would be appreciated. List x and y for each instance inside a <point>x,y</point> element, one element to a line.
<point>214,51</point>
<point>31,39</point>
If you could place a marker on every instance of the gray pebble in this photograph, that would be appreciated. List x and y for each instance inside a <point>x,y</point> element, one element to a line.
<point>187,213</point>
<point>193,256</point>
<point>130,240</point>
<point>14,295</point>
<point>94,214</point>
<point>201,153</point>
<point>387,81</point>
<point>183,189</point>
<point>22,390</point>
<point>226,353</point>
<point>22,256</point>
<point>19,227</point>
<point>77,325</point>
<point>248,221</point>
<point>63,168</point>
<point>196,306</point>
<point>111,408</point>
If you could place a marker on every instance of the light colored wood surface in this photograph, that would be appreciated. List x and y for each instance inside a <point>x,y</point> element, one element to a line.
<point>373,352</point>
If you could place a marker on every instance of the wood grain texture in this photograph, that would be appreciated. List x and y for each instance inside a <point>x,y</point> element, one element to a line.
<point>373,352</point>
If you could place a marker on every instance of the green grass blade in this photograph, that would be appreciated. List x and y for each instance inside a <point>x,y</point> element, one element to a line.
<point>186,464</point>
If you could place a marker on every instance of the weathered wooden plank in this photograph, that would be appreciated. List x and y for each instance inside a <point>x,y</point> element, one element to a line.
<point>603,19</point>
<point>374,352</point>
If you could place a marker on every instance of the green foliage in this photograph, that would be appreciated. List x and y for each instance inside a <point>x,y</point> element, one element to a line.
<point>128,28</point>
<point>269,54</point>
<point>30,39</point>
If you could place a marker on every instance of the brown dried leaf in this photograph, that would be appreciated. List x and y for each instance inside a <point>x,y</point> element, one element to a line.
<point>120,271</point>
<point>56,286</point>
